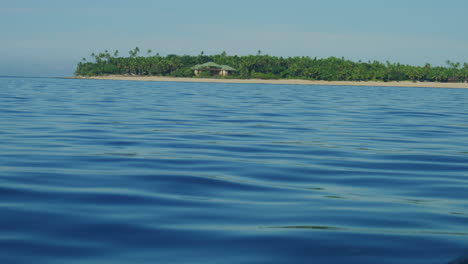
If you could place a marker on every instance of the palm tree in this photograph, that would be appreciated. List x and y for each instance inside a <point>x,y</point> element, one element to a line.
<point>134,52</point>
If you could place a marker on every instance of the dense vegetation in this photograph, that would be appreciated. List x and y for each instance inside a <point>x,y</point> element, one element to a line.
<point>269,67</point>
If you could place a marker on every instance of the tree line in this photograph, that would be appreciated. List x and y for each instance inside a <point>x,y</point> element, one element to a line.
<point>269,67</point>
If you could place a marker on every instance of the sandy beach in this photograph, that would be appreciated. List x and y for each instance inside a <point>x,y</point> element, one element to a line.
<point>284,81</point>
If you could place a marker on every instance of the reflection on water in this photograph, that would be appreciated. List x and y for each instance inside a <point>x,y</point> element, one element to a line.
<point>154,172</point>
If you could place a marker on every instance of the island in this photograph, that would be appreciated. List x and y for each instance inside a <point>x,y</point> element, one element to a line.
<point>262,68</point>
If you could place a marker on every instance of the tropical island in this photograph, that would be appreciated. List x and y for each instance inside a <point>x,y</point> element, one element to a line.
<point>262,68</point>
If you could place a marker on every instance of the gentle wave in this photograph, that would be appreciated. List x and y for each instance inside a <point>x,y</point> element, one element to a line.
<point>148,172</point>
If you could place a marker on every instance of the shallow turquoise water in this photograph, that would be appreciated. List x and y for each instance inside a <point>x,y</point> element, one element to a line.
<point>155,172</point>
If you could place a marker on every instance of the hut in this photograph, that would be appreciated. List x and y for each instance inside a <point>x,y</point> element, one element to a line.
<point>213,69</point>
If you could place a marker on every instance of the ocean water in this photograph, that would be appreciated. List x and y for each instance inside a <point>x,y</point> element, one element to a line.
<point>157,172</point>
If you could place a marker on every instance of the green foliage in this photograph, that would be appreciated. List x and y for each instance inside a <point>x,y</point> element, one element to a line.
<point>268,67</point>
<point>265,76</point>
<point>183,72</point>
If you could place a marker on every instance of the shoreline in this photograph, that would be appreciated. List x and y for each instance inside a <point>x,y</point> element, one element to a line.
<point>280,81</point>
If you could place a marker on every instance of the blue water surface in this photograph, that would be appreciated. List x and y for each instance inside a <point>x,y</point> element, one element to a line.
<point>102,172</point>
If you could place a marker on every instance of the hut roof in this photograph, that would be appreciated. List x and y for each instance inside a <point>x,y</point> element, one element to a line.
<point>212,65</point>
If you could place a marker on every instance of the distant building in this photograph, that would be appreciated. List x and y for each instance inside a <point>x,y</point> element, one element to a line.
<point>213,69</point>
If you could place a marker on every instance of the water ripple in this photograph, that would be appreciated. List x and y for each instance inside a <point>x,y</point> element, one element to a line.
<point>149,172</point>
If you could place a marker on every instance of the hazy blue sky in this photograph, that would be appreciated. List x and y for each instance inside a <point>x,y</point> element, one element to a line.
<point>48,37</point>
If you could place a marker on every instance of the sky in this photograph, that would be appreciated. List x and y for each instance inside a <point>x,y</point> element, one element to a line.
<point>49,37</point>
